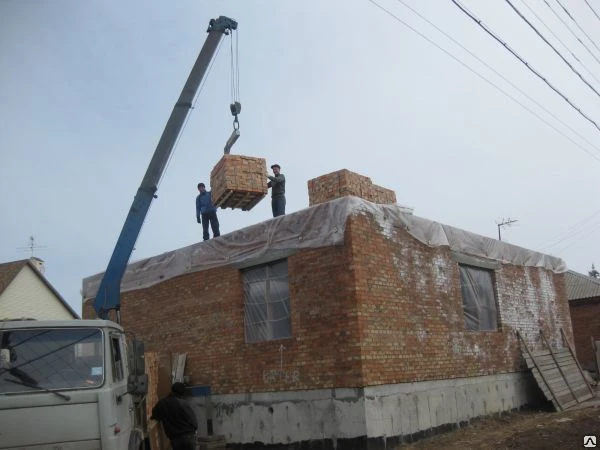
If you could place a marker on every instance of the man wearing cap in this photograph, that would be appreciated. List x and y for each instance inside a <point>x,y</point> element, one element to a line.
<point>178,418</point>
<point>277,185</point>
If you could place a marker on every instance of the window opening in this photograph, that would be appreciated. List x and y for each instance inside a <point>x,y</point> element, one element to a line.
<point>479,298</point>
<point>267,302</point>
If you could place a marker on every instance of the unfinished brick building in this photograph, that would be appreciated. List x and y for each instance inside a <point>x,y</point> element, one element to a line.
<point>348,323</point>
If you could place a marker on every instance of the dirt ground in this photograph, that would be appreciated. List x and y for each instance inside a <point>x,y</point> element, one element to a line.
<point>527,429</point>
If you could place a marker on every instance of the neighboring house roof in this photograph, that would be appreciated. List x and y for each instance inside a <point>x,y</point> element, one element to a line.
<point>9,271</point>
<point>580,286</point>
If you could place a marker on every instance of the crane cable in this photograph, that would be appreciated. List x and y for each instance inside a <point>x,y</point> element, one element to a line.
<point>235,106</point>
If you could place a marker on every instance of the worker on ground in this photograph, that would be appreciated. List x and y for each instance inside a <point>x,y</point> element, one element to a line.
<point>177,418</point>
<point>206,212</point>
<point>277,185</point>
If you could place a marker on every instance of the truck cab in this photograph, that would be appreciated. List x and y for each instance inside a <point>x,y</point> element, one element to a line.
<point>73,384</point>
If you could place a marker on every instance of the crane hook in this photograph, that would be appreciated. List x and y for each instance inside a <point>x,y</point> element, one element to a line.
<point>235,109</point>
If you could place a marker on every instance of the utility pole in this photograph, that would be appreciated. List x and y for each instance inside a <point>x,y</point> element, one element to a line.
<point>504,223</point>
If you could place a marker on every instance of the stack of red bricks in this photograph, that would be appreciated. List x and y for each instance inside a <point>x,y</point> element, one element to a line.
<point>344,182</point>
<point>238,181</point>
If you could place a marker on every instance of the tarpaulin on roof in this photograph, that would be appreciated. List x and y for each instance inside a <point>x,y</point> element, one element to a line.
<point>321,225</point>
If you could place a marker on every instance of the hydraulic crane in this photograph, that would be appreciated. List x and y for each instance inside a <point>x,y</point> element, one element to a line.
<point>108,296</point>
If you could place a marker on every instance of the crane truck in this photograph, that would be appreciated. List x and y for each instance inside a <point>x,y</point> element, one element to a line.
<point>81,384</point>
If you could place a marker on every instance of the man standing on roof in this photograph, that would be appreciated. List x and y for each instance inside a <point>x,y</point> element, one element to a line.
<point>277,185</point>
<point>206,212</point>
<point>177,418</point>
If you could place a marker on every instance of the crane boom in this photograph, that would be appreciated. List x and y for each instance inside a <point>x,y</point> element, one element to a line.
<point>108,296</point>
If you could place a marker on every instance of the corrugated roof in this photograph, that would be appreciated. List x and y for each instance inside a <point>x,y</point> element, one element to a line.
<point>9,270</point>
<point>580,286</point>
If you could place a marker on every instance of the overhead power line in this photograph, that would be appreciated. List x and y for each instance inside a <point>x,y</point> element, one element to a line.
<point>593,10</point>
<point>520,58</point>
<point>571,31</point>
<point>552,47</point>
<point>572,231</point>
<point>575,22</point>
<point>466,66</point>
<point>575,238</point>
<point>521,91</point>
<point>560,41</point>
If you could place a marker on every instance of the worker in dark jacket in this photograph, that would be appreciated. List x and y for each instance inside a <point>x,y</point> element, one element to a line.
<point>206,212</point>
<point>277,185</point>
<point>177,418</point>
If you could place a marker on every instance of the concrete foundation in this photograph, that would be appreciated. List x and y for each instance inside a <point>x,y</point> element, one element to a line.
<point>371,417</point>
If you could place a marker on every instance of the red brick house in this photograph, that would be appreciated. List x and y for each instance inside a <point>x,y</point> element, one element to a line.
<point>583,293</point>
<point>348,322</point>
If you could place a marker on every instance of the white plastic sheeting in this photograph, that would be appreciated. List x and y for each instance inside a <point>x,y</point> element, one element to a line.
<point>320,225</point>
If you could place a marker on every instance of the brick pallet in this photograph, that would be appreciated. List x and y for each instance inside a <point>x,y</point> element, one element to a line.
<point>344,182</point>
<point>238,181</point>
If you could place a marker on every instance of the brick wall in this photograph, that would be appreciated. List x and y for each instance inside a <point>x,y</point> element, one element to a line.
<point>410,310</point>
<point>382,308</point>
<point>202,314</point>
<point>585,317</point>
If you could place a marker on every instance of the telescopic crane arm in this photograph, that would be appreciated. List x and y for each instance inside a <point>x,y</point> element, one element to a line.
<point>108,296</point>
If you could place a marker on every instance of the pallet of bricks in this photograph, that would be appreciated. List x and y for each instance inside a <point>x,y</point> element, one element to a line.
<point>238,181</point>
<point>343,183</point>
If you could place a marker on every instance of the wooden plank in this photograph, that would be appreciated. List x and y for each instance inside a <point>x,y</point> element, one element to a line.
<point>157,437</point>
<point>571,393</point>
<point>557,384</point>
<point>555,402</point>
<point>597,355</point>
<point>578,365</point>
<point>178,367</point>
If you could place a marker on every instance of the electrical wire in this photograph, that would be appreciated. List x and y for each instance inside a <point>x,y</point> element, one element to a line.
<point>520,58</point>
<point>579,236</point>
<point>590,6</point>
<point>560,41</point>
<point>466,66</point>
<point>557,239</point>
<point>572,32</point>
<point>514,8</point>
<point>577,24</point>
<point>501,76</point>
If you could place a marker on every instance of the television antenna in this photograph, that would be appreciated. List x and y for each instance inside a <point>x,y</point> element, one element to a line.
<point>504,223</point>
<point>32,246</point>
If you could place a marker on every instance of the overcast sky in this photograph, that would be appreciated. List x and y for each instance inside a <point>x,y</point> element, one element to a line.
<point>86,88</point>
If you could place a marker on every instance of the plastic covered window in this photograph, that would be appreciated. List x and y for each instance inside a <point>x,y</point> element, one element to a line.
<point>267,302</point>
<point>479,300</point>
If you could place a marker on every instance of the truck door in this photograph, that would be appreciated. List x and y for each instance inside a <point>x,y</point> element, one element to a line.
<point>123,403</point>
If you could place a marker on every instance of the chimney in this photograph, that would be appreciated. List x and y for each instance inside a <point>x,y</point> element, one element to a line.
<point>344,182</point>
<point>38,263</point>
